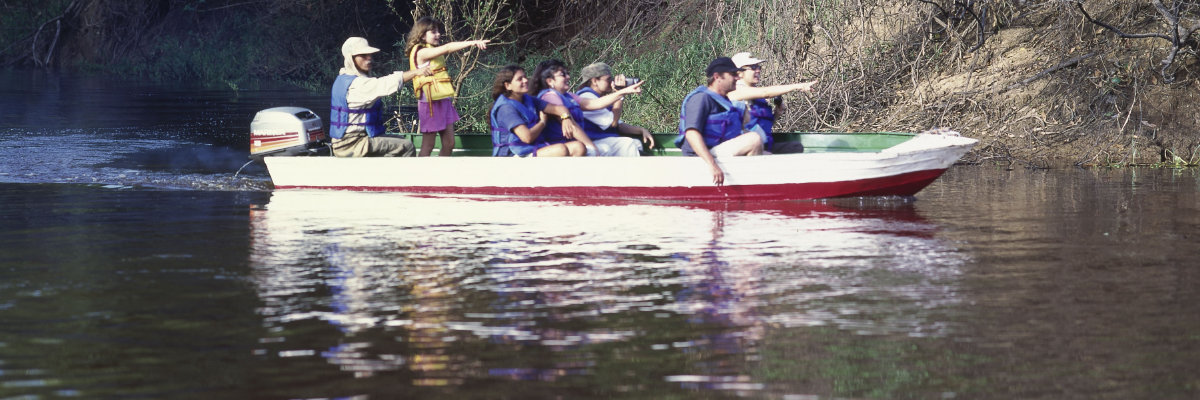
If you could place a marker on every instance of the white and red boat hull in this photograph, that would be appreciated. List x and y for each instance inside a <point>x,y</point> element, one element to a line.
<point>901,170</point>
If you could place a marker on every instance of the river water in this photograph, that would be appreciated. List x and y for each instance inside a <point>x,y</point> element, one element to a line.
<point>135,265</point>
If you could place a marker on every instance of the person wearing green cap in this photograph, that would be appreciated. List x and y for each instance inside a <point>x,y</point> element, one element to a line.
<point>604,126</point>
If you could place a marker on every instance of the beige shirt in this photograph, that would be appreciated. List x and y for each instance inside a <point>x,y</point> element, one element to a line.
<point>365,90</point>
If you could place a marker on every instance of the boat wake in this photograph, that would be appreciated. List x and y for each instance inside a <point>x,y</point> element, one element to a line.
<point>124,158</point>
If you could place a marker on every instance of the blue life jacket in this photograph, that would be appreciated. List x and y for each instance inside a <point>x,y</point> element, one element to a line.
<point>721,125</point>
<point>340,111</point>
<point>506,143</point>
<point>762,120</point>
<point>593,130</point>
<point>553,132</point>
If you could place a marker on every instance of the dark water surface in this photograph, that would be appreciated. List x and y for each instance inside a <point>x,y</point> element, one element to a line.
<point>133,265</point>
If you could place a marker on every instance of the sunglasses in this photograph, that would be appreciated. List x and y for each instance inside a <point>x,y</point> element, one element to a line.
<point>754,67</point>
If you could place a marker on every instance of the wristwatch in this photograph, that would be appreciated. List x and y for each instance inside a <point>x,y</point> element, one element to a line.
<point>565,116</point>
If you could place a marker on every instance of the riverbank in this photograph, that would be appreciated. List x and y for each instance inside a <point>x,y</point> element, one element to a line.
<point>1037,82</point>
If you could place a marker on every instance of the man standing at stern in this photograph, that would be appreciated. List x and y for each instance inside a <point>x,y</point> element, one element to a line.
<point>710,125</point>
<point>356,112</point>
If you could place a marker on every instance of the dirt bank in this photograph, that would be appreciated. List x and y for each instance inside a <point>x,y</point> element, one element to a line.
<point>1042,86</point>
<point>1037,81</point>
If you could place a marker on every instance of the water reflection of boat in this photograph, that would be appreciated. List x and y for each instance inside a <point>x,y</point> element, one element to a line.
<point>452,289</point>
<point>889,207</point>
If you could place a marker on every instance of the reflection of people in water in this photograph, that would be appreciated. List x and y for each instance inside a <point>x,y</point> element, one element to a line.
<point>425,308</point>
<point>720,303</point>
<point>354,285</point>
<point>534,314</point>
<point>433,298</point>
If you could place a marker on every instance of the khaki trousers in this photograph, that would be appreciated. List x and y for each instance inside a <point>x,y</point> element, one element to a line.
<point>357,144</point>
<point>748,144</point>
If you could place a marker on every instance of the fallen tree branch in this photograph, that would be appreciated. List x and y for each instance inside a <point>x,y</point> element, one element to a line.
<point>246,3</point>
<point>1051,70</point>
<point>53,43</point>
<point>15,43</point>
<point>33,47</point>
<point>1114,29</point>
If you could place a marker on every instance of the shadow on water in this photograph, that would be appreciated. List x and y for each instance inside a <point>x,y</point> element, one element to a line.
<point>118,293</point>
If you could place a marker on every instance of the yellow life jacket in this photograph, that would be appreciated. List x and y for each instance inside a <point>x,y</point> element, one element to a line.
<point>436,86</point>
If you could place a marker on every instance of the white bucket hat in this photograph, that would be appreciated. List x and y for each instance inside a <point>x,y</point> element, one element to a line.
<point>355,46</point>
<point>743,59</point>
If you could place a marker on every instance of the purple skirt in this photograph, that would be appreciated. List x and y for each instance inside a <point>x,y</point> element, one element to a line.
<point>436,116</point>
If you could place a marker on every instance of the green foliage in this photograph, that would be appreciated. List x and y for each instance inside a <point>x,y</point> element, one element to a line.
<point>669,75</point>
<point>235,53</point>
<point>207,62</point>
<point>19,22</point>
<point>226,43</point>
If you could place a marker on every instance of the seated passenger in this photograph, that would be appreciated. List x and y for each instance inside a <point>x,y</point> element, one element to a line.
<point>518,120</point>
<point>710,125</point>
<point>604,126</point>
<point>762,117</point>
<point>553,86</point>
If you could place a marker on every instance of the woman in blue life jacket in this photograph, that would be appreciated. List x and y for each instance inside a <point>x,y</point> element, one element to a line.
<point>552,85</point>
<point>762,115</point>
<point>518,120</point>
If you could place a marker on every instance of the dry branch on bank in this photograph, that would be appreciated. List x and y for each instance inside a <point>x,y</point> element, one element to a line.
<point>1179,33</point>
<point>1069,63</point>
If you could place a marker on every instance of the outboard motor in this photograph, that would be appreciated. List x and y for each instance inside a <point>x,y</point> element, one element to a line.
<point>287,131</point>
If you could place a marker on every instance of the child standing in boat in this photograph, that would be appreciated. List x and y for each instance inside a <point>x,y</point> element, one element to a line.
<point>435,94</point>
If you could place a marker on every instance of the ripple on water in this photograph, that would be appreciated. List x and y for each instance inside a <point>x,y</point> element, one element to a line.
<point>562,277</point>
<point>122,158</point>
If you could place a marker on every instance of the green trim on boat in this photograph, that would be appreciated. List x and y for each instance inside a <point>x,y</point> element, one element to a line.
<point>477,144</point>
<point>849,142</point>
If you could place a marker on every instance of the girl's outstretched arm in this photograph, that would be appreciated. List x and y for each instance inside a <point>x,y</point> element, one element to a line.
<point>424,55</point>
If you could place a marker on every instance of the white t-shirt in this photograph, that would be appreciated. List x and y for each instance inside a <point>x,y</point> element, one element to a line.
<point>602,117</point>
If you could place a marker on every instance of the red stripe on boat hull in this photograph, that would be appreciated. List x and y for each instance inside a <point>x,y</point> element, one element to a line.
<point>906,184</point>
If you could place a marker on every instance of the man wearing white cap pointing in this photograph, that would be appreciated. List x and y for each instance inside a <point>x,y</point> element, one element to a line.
<point>356,113</point>
<point>762,116</point>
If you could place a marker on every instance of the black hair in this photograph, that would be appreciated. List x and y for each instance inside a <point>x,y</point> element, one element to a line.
<point>545,70</point>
